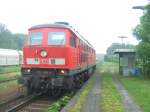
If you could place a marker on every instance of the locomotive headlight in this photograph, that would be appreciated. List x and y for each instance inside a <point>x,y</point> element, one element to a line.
<point>43,53</point>
<point>62,71</point>
<point>28,70</point>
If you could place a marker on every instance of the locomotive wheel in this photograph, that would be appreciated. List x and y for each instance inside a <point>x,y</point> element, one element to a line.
<point>56,91</point>
<point>78,84</point>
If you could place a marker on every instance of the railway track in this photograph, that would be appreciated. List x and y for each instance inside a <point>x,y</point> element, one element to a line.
<point>37,105</point>
<point>12,102</point>
<point>33,103</point>
<point>21,104</point>
<point>4,81</point>
<point>10,99</point>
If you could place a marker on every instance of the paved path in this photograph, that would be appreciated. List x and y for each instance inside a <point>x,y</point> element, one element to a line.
<point>129,104</point>
<point>93,99</point>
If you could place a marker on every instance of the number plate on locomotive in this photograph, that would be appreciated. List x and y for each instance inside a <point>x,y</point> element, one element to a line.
<point>44,61</point>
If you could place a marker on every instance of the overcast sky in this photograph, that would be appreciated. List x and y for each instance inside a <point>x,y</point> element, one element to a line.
<point>99,21</point>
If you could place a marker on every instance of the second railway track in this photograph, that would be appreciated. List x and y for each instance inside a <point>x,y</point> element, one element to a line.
<point>38,105</point>
<point>4,81</point>
<point>34,103</point>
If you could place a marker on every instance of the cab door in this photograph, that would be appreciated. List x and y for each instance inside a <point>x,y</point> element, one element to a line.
<point>74,51</point>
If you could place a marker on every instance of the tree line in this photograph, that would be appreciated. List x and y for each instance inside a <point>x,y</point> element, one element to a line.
<point>8,40</point>
<point>110,56</point>
<point>142,33</point>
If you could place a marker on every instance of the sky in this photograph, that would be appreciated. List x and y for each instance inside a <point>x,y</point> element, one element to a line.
<point>101,22</point>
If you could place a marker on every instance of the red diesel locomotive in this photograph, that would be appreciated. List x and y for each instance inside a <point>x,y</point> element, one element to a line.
<point>56,57</point>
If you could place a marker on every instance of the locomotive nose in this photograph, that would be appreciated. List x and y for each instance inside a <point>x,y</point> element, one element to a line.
<point>49,57</point>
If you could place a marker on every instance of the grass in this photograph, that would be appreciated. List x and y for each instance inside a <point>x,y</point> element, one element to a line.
<point>139,88</point>
<point>8,69</point>
<point>8,85</point>
<point>9,72</point>
<point>8,76</point>
<point>110,98</point>
<point>108,66</point>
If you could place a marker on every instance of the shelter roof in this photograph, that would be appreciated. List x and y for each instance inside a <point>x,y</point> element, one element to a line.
<point>118,51</point>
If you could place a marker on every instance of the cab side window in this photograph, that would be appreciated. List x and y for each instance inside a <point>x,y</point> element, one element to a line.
<point>72,41</point>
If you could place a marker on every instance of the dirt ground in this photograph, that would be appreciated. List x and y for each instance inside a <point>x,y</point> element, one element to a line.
<point>92,101</point>
<point>9,91</point>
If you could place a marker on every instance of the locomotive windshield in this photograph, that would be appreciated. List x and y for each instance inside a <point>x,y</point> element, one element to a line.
<point>56,38</point>
<point>35,38</point>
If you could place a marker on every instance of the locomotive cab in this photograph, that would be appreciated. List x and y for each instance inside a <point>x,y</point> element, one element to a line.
<point>47,48</point>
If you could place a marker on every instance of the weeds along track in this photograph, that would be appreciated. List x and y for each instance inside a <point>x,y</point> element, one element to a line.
<point>33,103</point>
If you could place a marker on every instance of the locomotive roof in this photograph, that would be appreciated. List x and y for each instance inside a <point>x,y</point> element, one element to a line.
<point>62,26</point>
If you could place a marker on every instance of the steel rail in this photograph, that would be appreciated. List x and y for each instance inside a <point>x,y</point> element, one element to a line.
<point>22,104</point>
<point>8,80</point>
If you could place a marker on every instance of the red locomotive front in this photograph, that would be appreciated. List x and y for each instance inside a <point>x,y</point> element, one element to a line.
<point>53,57</point>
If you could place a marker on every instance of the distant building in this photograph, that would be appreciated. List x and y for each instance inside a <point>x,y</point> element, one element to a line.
<point>10,57</point>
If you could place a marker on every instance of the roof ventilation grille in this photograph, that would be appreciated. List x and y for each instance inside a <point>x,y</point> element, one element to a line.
<point>64,23</point>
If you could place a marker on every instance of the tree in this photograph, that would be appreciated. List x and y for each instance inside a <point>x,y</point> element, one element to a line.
<point>114,46</point>
<point>5,35</point>
<point>110,51</point>
<point>19,40</point>
<point>142,33</point>
<point>9,40</point>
